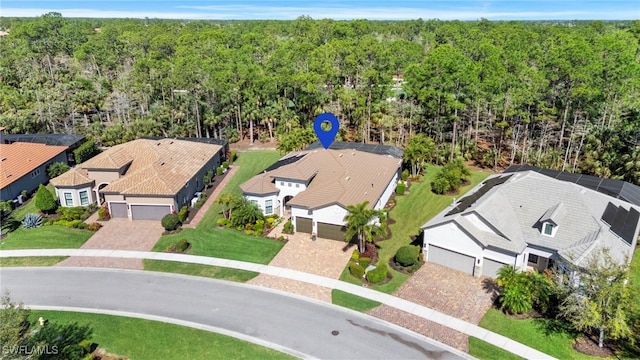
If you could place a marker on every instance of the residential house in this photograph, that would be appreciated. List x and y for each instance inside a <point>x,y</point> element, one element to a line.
<point>143,179</point>
<point>71,141</point>
<point>315,186</point>
<point>534,218</point>
<point>23,166</point>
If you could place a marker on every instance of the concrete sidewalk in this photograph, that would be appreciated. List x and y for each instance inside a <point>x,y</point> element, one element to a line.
<point>401,304</point>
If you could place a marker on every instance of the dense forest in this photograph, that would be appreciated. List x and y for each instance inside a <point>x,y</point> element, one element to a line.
<point>564,95</point>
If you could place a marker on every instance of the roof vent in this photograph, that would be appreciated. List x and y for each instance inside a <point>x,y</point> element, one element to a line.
<point>3,159</point>
<point>162,163</point>
<point>158,144</point>
<point>340,155</point>
<point>347,178</point>
<point>353,154</point>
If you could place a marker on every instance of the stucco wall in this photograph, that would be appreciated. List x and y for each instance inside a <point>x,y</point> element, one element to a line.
<point>261,201</point>
<point>450,236</point>
<point>333,214</point>
<point>75,195</point>
<point>388,191</point>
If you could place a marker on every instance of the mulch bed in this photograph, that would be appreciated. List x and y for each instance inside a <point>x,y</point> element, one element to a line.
<point>208,190</point>
<point>588,344</point>
<point>403,269</point>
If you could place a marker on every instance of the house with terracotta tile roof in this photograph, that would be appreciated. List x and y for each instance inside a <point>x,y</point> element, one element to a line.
<point>314,187</point>
<point>143,179</point>
<point>23,166</point>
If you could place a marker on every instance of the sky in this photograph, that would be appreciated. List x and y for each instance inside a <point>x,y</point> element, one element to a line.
<point>333,9</point>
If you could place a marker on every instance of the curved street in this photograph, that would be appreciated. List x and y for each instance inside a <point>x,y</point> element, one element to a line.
<point>305,326</point>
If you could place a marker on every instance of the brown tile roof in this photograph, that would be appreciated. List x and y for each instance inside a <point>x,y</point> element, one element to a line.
<point>157,167</point>
<point>19,159</point>
<point>72,177</point>
<point>344,177</point>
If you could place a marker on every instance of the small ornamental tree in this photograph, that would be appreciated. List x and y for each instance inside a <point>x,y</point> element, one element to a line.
<point>45,201</point>
<point>407,255</point>
<point>170,222</point>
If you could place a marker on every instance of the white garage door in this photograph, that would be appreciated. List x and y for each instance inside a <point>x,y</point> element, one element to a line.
<point>149,212</point>
<point>451,259</point>
<point>490,267</point>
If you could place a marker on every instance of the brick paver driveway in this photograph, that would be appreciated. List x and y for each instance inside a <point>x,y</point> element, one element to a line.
<point>321,257</point>
<point>448,291</point>
<point>119,234</point>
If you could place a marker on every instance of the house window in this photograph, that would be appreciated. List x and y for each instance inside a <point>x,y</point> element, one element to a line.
<point>254,201</point>
<point>533,258</point>
<point>268,207</point>
<point>35,173</point>
<point>281,183</point>
<point>84,198</point>
<point>68,199</point>
<point>297,185</point>
<point>548,229</point>
<point>289,184</point>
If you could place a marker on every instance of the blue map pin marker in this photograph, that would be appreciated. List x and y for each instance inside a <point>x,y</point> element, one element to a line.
<point>326,136</point>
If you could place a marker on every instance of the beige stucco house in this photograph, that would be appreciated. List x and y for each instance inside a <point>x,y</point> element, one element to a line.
<point>141,179</point>
<point>314,187</point>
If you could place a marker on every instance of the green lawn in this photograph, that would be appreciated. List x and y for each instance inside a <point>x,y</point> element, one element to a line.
<point>634,277</point>
<point>199,270</point>
<point>249,164</point>
<point>354,302</point>
<point>31,261</point>
<point>485,351</point>
<point>30,206</point>
<point>46,237</point>
<point>208,240</point>
<point>548,336</point>
<point>412,210</point>
<point>144,339</point>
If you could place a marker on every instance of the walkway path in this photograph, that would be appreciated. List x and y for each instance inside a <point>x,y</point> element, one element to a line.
<point>398,303</point>
<point>211,199</point>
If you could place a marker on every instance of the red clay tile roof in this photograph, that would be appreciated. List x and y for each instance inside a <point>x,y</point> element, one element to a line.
<point>19,159</point>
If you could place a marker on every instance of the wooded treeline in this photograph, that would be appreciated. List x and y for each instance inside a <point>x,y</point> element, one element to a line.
<point>562,95</point>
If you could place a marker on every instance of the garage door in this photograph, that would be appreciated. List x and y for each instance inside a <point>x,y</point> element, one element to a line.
<point>118,210</point>
<point>331,231</point>
<point>304,225</point>
<point>490,267</point>
<point>149,212</point>
<point>451,259</point>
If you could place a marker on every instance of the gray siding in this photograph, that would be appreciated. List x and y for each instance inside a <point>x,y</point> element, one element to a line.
<point>196,183</point>
<point>29,183</point>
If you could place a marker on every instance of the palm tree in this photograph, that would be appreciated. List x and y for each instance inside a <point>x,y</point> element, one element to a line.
<point>229,201</point>
<point>365,223</point>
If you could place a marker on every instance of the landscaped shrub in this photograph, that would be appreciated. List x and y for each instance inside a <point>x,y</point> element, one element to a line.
<point>225,165</point>
<point>258,229</point>
<point>170,222</point>
<point>364,262</point>
<point>219,171</point>
<point>355,255</point>
<point>207,177</point>
<point>233,156</point>
<point>400,188</point>
<point>356,270</point>
<point>103,213</point>
<point>222,222</point>
<point>407,255</point>
<point>31,221</point>
<point>378,274</point>
<point>71,213</point>
<point>246,212</point>
<point>405,175</point>
<point>201,201</point>
<point>270,221</point>
<point>57,168</point>
<point>182,245</point>
<point>183,213</point>
<point>94,226</point>
<point>288,227</point>
<point>25,194</point>
<point>248,232</point>
<point>85,151</point>
<point>280,238</point>
<point>69,223</point>
<point>80,224</point>
<point>45,201</point>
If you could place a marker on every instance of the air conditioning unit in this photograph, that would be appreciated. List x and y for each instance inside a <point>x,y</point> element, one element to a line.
<point>197,196</point>
<point>20,199</point>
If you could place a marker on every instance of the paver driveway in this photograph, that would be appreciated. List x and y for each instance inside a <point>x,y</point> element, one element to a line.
<point>451,292</point>
<point>119,234</point>
<point>321,257</point>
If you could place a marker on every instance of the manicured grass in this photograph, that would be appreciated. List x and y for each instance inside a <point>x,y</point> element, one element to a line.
<point>547,335</point>
<point>485,351</point>
<point>31,261</point>
<point>30,206</point>
<point>199,270</point>
<point>46,237</point>
<point>144,339</point>
<point>354,302</point>
<point>224,243</point>
<point>634,278</point>
<point>249,164</point>
<point>412,210</point>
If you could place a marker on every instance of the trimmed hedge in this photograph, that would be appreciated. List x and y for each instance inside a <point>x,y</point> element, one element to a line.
<point>364,262</point>
<point>182,245</point>
<point>170,222</point>
<point>378,274</point>
<point>85,151</point>
<point>400,188</point>
<point>183,213</point>
<point>407,255</point>
<point>356,270</point>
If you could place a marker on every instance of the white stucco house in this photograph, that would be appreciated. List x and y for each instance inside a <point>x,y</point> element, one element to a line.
<point>534,218</point>
<point>315,186</point>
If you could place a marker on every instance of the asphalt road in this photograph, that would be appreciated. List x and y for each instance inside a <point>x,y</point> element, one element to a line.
<point>292,322</point>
